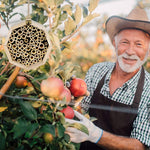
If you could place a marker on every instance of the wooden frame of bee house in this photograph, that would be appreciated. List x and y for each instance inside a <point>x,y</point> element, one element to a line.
<point>28,45</point>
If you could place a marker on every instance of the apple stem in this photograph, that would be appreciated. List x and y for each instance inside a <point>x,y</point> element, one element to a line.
<point>73,77</point>
<point>9,82</point>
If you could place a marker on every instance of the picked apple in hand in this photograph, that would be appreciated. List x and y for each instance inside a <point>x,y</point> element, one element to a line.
<point>78,87</point>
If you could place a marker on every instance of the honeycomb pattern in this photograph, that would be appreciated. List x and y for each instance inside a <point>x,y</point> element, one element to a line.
<point>27,46</point>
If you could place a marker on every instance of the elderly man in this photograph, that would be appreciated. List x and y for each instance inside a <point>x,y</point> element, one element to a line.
<point>124,85</point>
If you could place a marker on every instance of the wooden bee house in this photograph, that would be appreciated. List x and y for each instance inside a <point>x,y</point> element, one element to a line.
<point>27,45</point>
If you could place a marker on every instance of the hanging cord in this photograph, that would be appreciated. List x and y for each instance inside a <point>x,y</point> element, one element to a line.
<point>102,107</point>
<point>28,15</point>
<point>28,7</point>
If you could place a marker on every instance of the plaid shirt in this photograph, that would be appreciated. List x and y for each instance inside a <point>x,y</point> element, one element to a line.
<point>125,95</point>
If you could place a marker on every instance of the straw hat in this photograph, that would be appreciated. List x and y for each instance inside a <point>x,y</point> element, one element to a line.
<point>137,19</point>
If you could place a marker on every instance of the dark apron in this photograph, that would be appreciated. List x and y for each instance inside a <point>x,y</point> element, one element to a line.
<point>119,123</point>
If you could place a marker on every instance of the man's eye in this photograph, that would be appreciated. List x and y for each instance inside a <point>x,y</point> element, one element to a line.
<point>138,44</point>
<point>124,42</point>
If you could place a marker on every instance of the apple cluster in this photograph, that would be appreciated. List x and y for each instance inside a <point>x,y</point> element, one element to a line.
<point>54,88</point>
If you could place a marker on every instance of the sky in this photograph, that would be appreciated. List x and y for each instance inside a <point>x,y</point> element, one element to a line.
<point>110,7</point>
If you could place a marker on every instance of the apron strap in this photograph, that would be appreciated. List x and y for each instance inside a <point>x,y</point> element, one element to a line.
<point>139,90</point>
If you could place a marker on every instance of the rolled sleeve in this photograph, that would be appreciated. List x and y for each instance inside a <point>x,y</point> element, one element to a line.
<point>141,127</point>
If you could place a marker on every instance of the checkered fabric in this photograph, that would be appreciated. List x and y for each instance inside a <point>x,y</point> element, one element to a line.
<point>125,95</point>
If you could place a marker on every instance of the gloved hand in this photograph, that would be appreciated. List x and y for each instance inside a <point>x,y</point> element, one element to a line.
<point>78,136</point>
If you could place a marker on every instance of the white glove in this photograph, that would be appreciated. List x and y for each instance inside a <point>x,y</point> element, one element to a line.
<point>78,136</point>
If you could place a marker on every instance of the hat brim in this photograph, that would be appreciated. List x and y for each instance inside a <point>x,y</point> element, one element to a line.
<point>115,24</point>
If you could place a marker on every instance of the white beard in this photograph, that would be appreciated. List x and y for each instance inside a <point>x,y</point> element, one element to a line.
<point>130,68</point>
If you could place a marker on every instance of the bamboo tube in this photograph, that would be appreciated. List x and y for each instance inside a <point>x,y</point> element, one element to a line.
<point>9,82</point>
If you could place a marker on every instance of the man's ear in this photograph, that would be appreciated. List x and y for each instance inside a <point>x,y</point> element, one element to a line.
<point>114,43</point>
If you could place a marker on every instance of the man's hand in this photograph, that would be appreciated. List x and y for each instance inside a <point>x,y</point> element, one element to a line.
<point>102,138</point>
<point>78,136</point>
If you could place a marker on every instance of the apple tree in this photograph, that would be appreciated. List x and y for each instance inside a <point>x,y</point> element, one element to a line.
<point>31,117</point>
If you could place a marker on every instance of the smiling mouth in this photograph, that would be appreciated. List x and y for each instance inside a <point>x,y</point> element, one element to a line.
<point>129,60</point>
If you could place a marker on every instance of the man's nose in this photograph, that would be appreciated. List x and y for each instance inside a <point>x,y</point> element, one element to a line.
<point>131,49</point>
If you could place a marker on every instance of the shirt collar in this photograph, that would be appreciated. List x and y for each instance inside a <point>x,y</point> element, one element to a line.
<point>132,82</point>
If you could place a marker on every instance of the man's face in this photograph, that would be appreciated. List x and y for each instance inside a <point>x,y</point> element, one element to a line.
<point>132,49</point>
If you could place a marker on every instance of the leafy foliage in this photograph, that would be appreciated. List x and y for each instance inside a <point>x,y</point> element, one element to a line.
<point>25,113</point>
<point>23,126</point>
<point>7,10</point>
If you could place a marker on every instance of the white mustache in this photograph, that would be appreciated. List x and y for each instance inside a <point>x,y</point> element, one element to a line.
<point>135,57</point>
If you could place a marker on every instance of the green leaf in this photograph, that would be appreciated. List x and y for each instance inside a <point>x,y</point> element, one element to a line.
<point>68,9</point>
<point>38,13</point>
<point>3,78</point>
<point>63,16</point>
<point>77,146</point>
<point>43,19</point>
<point>70,25</point>
<point>93,119</point>
<point>58,55</point>
<point>90,17</point>
<point>47,117</point>
<point>28,110</point>
<point>78,14</point>
<point>50,3</point>
<point>61,117</point>
<point>41,77</point>
<point>31,130</point>
<point>2,142</point>
<point>78,126</point>
<point>22,16</point>
<point>67,70</point>
<point>60,130</point>
<point>20,127</point>
<point>56,18</point>
<point>56,58</point>
<point>21,147</point>
<point>93,4</point>
<point>70,146</point>
<point>67,138</point>
<point>58,2</point>
<point>85,11</point>
<point>55,40</point>
<point>48,128</point>
<point>45,68</point>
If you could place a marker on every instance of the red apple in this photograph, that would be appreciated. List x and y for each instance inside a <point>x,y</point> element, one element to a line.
<point>21,82</point>
<point>78,87</point>
<point>66,94</point>
<point>68,112</point>
<point>52,87</point>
